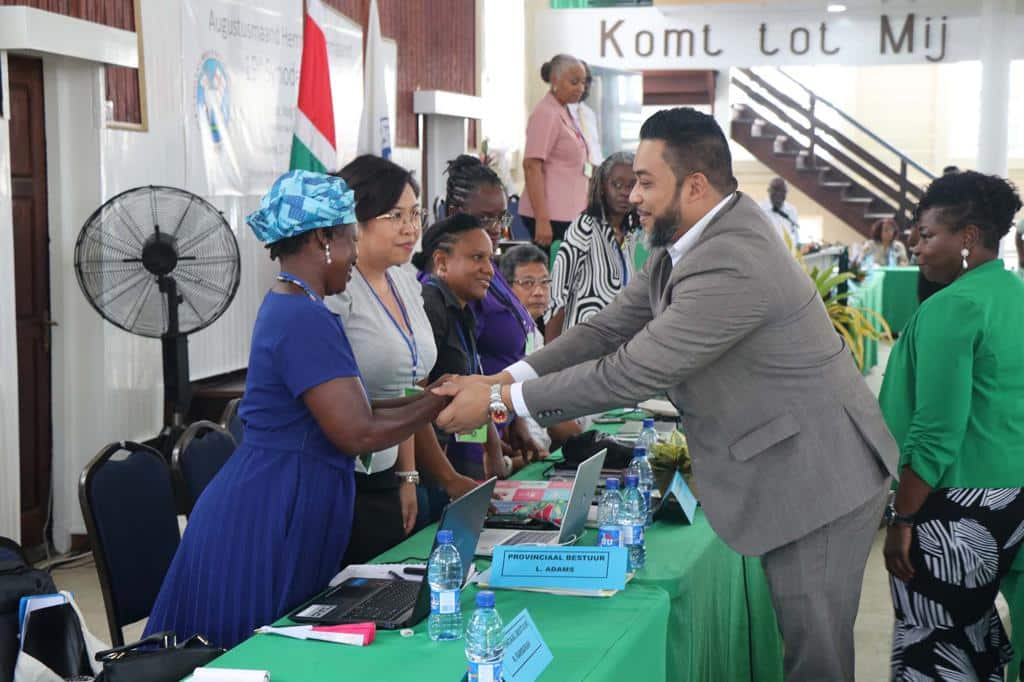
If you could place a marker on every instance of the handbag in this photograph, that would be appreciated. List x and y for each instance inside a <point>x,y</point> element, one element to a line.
<point>17,579</point>
<point>157,658</point>
<point>579,448</point>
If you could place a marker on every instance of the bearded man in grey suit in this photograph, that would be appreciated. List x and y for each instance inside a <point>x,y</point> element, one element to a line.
<point>790,451</point>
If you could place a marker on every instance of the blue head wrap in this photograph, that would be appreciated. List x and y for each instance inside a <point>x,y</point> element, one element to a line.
<point>300,201</point>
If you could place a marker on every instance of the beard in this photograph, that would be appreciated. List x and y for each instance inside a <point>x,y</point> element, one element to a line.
<point>665,226</point>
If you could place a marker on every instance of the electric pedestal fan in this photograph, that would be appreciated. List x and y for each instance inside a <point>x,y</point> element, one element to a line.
<point>163,263</point>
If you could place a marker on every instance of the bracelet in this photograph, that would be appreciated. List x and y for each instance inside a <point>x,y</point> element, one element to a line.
<point>408,476</point>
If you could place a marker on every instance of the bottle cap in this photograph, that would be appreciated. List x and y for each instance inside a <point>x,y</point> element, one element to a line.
<point>648,422</point>
<point>445,537</point>
<point>632,481</point>
<point>485,599</point>
<point>612,483</point>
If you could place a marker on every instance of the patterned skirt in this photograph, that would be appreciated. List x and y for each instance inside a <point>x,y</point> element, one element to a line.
<point>947,628</point>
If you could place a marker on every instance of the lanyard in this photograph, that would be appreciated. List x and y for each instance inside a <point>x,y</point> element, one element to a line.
<point>474,357</point>
<point>410,339</point>
<point>292,279</point>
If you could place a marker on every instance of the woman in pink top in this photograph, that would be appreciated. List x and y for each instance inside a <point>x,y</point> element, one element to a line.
<point>556,158</point>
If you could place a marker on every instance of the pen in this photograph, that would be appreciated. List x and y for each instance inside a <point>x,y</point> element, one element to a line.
<point>395,575</point>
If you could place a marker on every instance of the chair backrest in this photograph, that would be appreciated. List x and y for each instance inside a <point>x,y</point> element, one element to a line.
<point>130,514</point>
<point>201,451</point>
<point>231,421</point>
<point>517,230</point>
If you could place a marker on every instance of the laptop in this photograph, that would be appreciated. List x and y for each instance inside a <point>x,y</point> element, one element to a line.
<point>392,603</point>
<point>587,476</point>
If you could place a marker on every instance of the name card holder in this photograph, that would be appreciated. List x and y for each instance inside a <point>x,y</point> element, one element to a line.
<point>565,568</point>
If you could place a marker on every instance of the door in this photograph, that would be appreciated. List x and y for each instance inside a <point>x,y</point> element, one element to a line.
<point>32,292</point>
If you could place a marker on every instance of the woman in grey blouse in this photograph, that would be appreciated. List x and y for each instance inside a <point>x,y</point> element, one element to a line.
<point>382,310</point>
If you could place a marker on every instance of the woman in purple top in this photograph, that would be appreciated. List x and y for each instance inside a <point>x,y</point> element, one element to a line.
<point>503,326</point>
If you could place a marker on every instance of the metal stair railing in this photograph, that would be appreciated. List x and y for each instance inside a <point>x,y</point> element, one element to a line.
<point>836,146</point>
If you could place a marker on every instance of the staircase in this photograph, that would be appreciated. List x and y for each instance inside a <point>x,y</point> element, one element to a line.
<point>802,143</point>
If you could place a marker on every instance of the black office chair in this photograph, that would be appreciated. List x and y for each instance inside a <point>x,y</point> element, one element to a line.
<point>199,454</point>
<point>231,421</point>
<point>128,504</point>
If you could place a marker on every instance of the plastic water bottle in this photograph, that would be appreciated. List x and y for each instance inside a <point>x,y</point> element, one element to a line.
<point>485,641</point>
<point>608,512</point>
<point>444,573</point>
<point>640,466</point>
<point>632,521</point>
<point>648,436</point>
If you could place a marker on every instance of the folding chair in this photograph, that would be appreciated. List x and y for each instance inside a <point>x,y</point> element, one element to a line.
<point>231,421</point>
<point>199,454</point>
<point>127,500</point>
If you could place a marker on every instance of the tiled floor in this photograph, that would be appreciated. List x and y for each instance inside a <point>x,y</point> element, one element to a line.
<point>873,631</point>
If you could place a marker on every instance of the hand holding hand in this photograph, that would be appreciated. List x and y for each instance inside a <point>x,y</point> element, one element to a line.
<point>468,408</point>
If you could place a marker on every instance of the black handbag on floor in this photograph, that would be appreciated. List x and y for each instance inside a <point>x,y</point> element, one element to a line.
<point>157,658</point>
<point>17,579</point>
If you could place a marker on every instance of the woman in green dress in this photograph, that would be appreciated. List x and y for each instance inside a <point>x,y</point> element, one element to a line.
<point>953,397</point>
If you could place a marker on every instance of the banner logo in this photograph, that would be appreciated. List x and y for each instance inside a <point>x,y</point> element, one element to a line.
<point>213,97</point>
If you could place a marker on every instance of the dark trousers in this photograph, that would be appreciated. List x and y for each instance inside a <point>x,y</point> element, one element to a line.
<point>558,228</point>
<point>377,521</point>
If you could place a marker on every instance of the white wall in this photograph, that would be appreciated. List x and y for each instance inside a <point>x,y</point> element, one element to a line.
<point>10,497</point>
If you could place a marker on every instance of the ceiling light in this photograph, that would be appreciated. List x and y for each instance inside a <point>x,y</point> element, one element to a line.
<point>836,8</point>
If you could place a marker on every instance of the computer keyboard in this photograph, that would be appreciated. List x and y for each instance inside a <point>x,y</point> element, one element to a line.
<point>390,603</point>
<point>531,537</point>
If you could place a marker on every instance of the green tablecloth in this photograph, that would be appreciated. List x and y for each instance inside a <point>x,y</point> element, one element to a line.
<point>868,295</point>
<point>899,295</point>
<point>697,611</point>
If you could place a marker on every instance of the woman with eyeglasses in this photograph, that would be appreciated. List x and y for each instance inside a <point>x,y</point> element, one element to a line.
<point>595,261</point>
<point>504,327</point>
<point>382,310</point>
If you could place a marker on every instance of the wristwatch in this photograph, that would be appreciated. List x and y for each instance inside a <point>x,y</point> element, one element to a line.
<point>892,517</point>
<point>408,477</point>
<point>496,408</point>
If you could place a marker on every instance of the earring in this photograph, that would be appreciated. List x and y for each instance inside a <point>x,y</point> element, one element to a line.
<point>327,252</point>
<point>964,253</point>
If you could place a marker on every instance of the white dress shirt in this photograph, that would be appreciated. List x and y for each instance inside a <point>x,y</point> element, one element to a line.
<point>522,371</point>
<point>788,223</point>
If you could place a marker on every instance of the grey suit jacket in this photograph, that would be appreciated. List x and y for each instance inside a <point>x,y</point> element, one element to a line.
<point>784,433</point>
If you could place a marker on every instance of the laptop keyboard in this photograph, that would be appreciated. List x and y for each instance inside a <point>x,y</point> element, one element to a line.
<point>388,604</point>
<point>531,537</point>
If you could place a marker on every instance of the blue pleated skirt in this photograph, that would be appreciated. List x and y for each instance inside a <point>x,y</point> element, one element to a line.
<point>268,533</point>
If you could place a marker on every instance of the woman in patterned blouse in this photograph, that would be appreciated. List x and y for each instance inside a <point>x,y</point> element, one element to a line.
<point>595,261</point>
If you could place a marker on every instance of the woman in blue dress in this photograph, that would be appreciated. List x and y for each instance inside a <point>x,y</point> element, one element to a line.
<point>270,530</point>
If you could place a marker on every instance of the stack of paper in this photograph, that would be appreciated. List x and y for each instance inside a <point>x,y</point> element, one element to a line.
<point>356,634</point>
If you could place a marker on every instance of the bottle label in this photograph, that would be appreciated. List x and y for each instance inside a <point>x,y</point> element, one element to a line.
<point>632,535</point>
<point>609,536</point>
<point>444,602</point>
<point>484,672</point>
<point>647,499</point>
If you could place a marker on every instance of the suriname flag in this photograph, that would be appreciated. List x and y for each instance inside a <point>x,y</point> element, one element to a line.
<point>313,146</point>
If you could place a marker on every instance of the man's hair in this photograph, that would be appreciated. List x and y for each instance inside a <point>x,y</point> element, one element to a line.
<point>694,143</point>
<point>524,254</point>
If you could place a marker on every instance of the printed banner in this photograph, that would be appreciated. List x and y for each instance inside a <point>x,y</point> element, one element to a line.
<point>241,65</point>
